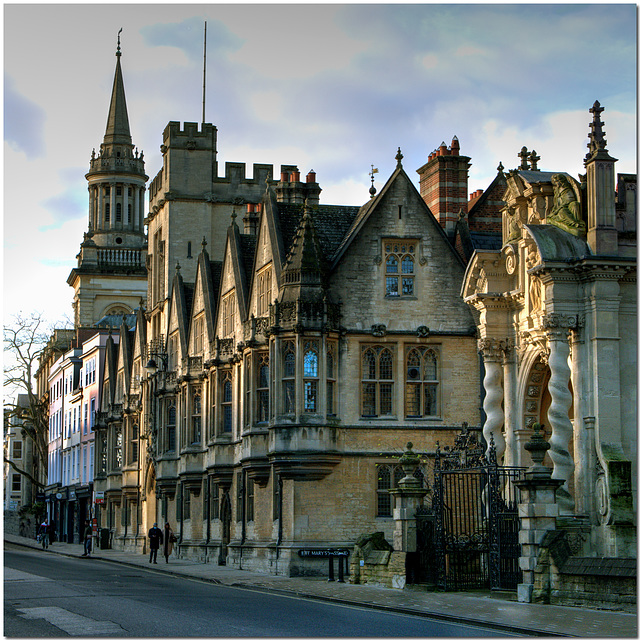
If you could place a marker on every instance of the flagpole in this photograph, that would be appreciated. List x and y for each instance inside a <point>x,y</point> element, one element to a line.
<point>204,71</point>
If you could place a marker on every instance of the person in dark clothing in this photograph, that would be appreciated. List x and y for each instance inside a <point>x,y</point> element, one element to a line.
<point>87,539</point>
<point>155,540</point>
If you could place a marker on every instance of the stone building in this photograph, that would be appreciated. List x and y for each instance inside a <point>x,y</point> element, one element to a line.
<point>284,368</point>
<point>556,306</point>
<point>111,274</point>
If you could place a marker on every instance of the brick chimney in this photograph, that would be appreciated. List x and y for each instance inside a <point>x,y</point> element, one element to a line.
<point>444,184</point>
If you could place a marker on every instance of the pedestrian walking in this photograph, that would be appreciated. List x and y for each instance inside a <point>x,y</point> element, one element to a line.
<point>155,539</point>
<point>87,538</point>
<point>44,534</point>
<point>169,539</point>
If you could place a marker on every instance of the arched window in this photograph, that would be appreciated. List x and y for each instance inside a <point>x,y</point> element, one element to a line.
<point>310,375</point>
<point>170,442</point>
<point>377,381</point>
<point>288,376</point>
<point>421,386</point>
<point>263,388</point>
<point>118,212</point>
<point>196,417</point>
<point>227,403</point>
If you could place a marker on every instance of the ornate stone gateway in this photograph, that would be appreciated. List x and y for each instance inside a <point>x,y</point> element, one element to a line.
<point>468,536</point>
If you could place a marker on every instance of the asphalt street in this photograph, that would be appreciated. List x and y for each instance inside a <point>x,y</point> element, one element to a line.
<point>47,595</point>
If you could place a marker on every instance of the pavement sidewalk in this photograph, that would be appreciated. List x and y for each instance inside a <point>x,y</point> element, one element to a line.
<point>483,609</point>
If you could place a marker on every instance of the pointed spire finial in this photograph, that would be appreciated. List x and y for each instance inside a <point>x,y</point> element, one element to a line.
<point>177,267</point>
<point>204,242</point>
<point>118,54</point>
<point>500,167</point>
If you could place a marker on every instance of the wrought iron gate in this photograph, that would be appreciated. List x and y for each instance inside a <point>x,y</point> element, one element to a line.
<point>468,536</point>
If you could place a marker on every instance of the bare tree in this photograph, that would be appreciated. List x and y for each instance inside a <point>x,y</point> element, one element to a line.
<point>25,341</point>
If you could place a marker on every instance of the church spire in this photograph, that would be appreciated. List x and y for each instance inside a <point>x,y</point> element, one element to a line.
<point>118,120</point>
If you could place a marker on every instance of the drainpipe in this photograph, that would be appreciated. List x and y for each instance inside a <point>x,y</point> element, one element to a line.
<point>280,516</point>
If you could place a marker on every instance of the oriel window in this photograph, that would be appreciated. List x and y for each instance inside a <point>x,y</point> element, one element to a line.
<point>227,403</point>
<point>289,376</point>
<point>310,376</point>
<point>196,416</point>
<point>263,388</point>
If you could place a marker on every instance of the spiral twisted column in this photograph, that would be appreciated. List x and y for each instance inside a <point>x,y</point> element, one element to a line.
<point>557,328</point>
<point>492,351</point>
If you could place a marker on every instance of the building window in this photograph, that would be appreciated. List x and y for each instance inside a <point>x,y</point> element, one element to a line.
<point>310,376</point>
<point>228,314</point>
<point>133,442</point>
<point>16,453</point>
<point>263,388</point>
<point>186,503</point>
<point>118,212</point>
<point>264,292</point>
<point>196,416</point>
<point>388,476</point>
<point>377,381</point>
<point>331,378</point>
<point>214,497</point>
<point>277,493</point>
<point>92,415</point>
<point>198,335</point>
<point>16,483</point>
<point>288,376</point>
<point>107,212</point>
<point>170,442</point>
<point>239,497</point>
<point>421,387</point>
<point>399,260</point>
<point>173,352</point>
<point>117,448</point>
<point>250,499</point>
<point>227,402</point>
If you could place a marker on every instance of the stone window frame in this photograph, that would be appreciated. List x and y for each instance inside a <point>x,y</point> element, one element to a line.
<point>419,379</point>
<point>310,375</point>
<point>263,297</point>
<point>378,382</point>
<point>228,313</point>
<point>399,260</point>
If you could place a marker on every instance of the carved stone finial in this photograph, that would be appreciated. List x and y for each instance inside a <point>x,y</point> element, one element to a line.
<point>500,168</point>
<point>523,155</point>
<point>203,243</point>
<point>597,141</point>
<point>399,157</point>
<point>372,190</point>
<point>533,158</point>
<point>177,267</point>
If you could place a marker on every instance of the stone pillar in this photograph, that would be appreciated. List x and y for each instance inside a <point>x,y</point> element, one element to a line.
<point>537,511</point>
<point>557,327</point>
<point>112,205</point>
<point>408,497</point>
<point>492,351</point>
<point>511,455</point>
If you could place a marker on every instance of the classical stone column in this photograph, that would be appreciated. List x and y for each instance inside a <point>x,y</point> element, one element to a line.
<point>557,327</point>
<point>492,351</point>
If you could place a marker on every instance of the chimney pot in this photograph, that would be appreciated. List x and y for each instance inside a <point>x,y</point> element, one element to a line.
<point>311,176</point>
<point>295,176</point>
<point>284,177</point>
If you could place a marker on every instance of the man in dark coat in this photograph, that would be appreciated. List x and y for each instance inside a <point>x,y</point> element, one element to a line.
<point>155,540</point>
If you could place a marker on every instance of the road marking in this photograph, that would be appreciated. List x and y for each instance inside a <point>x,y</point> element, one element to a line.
<point>72,623</point>
<point>13,575</point>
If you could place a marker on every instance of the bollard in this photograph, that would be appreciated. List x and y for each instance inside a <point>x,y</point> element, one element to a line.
<point>331,578</point>
<point>340,569</point>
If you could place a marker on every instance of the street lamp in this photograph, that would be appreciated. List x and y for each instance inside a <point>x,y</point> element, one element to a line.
<point>152,365</point>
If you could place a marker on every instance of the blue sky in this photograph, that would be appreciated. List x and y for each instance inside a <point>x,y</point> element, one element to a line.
<point>333,88</point>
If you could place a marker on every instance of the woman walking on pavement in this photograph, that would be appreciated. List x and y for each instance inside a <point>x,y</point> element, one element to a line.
<point>169,539</point>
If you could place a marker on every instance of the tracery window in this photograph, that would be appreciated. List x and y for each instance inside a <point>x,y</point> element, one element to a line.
<point>262,395</point>
<point>377,381</point>
<point>196,416</point>
<point>132,446</point>
<point>227,402</point>
<point>170,442</point>
<point>288,376</point>
<point>198,335</point>
<point>310,376</point>
<point>421,386</point>
<point>399,260</point>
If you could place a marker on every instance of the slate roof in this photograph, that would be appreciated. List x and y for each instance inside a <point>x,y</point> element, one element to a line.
<point>116,320</point>
<point>331,223</point>
<point>486,240</point>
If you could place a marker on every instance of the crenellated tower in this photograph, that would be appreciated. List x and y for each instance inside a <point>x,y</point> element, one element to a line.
<point>111,275</point>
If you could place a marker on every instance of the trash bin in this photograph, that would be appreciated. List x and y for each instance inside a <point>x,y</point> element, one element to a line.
<point>105,535</point>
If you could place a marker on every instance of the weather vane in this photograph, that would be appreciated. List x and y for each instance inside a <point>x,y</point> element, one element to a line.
<point>373,171</point>
<point>118,51</point>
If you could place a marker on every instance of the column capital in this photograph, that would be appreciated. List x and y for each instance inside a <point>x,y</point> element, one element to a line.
<point>558,325</point>
<point>495,348</point>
